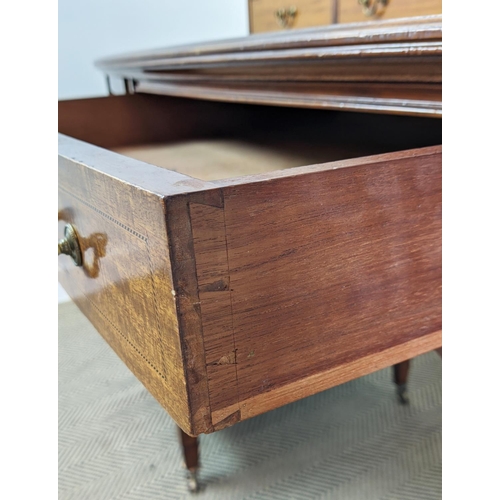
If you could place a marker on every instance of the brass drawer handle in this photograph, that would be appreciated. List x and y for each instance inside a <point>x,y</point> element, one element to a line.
<point>285,17</point>
<point>69,245</point>
<point>373,8</point>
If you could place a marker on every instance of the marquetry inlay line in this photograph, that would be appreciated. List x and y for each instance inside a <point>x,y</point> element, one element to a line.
<point>136,349</point>
<point>105,215</point>
<point>151,276</point>
<point>155,299</point>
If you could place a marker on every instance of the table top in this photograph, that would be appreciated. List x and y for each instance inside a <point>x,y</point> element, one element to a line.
<point>391,66</point>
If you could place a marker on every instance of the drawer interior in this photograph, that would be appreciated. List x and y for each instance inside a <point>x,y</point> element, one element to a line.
<point>213,140</point>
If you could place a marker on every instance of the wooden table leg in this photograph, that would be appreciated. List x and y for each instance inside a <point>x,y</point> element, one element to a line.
<point>400,372</point>
<point>191,459</point>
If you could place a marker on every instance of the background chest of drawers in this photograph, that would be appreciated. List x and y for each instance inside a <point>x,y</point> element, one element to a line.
<point>275,15</point>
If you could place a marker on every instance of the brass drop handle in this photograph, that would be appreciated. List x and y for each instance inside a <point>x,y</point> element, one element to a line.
<point>69,245</point>
<point>286,16</point>
<point>373,8</point>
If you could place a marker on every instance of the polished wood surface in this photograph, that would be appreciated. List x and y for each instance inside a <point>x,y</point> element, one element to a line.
<point>309,13</point>
<point>384,67</point>
<point>350,11</point>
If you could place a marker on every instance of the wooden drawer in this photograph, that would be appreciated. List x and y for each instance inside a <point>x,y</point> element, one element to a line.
<point>231,295</point>
<point>351,11</point>
<point>274,15</point>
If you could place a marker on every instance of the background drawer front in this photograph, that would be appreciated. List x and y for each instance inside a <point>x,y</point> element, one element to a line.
<point>262,14</point>
<point>351,11</point>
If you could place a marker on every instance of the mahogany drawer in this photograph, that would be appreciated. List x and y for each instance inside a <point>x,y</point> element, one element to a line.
<point>274,15</point>
<point>351,11</point>
<point>315,259</point>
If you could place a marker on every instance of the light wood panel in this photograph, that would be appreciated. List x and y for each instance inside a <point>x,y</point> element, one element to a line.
<point>262,16</point>
<point>350,11</point>
<point>219,158</point>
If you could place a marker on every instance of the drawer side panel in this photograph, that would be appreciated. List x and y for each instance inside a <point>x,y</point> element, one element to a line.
<point>332,274</point>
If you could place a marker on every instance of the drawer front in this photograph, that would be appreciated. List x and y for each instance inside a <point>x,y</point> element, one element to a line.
<point>275,15</point>
<point>353,11</point>
<point>124,285</point>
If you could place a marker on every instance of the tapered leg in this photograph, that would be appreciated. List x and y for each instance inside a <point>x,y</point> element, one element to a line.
<point>400,372</point>
<point>191,459</point>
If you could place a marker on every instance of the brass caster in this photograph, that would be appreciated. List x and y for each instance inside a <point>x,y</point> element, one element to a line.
<point>402,394</point>
<point>192,482</point>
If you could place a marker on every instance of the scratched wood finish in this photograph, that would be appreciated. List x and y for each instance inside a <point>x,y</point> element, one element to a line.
<point>262,16</point>
<point>350,11</point>
<point>377,66</point>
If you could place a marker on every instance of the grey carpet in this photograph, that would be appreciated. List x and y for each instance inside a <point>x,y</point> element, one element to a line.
<point>351,442</point>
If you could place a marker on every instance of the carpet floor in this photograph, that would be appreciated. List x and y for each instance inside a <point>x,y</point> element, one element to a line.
<point>351,442</point>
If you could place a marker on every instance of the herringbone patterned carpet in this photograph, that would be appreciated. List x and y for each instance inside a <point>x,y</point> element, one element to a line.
<point>351,442</point>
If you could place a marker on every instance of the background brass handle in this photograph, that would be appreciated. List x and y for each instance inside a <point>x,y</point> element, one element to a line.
<point>69,245</point>
<point>286,16</point>
<point>373,7</point>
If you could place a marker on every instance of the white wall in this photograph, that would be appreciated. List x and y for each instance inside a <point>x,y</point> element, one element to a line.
<point>91,29</point>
